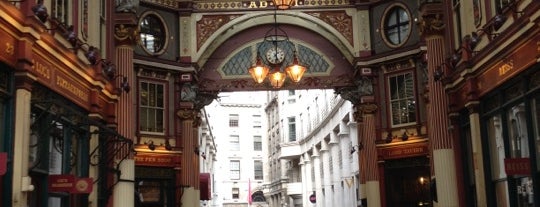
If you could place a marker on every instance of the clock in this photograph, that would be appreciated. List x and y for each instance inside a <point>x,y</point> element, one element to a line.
<point>275,55</point>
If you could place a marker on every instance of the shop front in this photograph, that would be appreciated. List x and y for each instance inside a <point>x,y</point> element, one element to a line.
<point>500,123</point>
<point>405,169</point>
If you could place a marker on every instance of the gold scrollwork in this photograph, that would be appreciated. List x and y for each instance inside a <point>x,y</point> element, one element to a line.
<point>10,49</point>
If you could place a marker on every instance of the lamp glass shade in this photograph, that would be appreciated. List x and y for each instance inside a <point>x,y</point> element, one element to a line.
<point>295,72</point>
<point>283,4</point>
<point>277,79</point>
<point>258,71</point>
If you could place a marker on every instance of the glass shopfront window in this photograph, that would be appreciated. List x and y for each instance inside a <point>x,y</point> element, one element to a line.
<point>535,109</point>
<point>511,124</point>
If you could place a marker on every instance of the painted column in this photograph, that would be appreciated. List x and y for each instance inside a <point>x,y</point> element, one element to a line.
<point>336,176</point>
<point>346,178</point>
<point>318,180</point>
<point>124,191</point>
<point>309,183</point>
<point>478,164</point>
<point>189,175</point>
<point>443,158</point>
<point>327,181</point>
<point>369,152</point>
<point>21,139</point>
<point>125,38</point>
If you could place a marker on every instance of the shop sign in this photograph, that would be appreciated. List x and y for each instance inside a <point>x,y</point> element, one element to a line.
<point>61,183</point>
<point>70,184</point>
<point>155,160</point>
<point>400,152</point>
<point>517,166</point>
<point>3,163</point>
<point>83,186</point>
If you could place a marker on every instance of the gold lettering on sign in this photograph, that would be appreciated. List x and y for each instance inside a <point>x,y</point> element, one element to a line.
<point>406,151</point>
<point>41,69</point>
<point>10,49</point>
<point>154,159</point>
<point>262,4</point>
<point>63,83</point>
<point>506,67</point>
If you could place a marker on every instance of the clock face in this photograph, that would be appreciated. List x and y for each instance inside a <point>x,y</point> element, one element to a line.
<point>275,55</point>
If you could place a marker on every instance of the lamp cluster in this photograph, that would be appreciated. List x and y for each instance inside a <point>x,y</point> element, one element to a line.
<point>259,71</point>
<point>276,77</point>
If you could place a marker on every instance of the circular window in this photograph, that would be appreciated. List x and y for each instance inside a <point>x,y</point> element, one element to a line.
<point>153,33</point>
<point>396,25</point>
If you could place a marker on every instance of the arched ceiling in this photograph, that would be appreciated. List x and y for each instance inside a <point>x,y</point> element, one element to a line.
<point>225,68</point>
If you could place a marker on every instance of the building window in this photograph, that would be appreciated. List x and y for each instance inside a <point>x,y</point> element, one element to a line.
<point>402,100</point>
<point>152,107</point>
<point>257,124</point>
<point>291,92</point>
<point>235,169</point>
<point>5,89</point>
<point>235,193</point>
<point>153,33</point>
<point>292,129</point>
<point>235,142</point>
<point>500,4</point>
<point>396,25</point>
<point>257,143</point>
<point>233,120</point>
<point>60,10</point>
<point>258,169</point>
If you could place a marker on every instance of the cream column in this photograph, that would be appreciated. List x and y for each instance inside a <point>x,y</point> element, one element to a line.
<point>345,143</point>
<point>304,180</point>
<point>284,168</point>
<point>124,190</point>
<point>327,177</point>
<point>478,164</point>
<point>336,176</point>
<point>93,171</point>
<point>309,183</point>
<point>21,139</point>
<point>318,180</point>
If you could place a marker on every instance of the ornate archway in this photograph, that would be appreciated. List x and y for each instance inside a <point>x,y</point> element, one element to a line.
<point>228,55</point>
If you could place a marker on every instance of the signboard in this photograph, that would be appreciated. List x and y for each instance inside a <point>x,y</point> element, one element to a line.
<point>156,160</point>
<point>70,184</point>
<point>402,152</point>
<point>517,166</point>
<point>3,163</point>
<point>83,186</point>
<point>61,183</point>
<point>313,198</point>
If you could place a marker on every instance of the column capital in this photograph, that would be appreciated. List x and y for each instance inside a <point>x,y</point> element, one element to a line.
<point>362,88</point>
<point>190,114</point>
<point>315,152</point>
<point>324,146</point>
<point>333,138</point>
<point>431,19</point>
<point>307,158</point>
